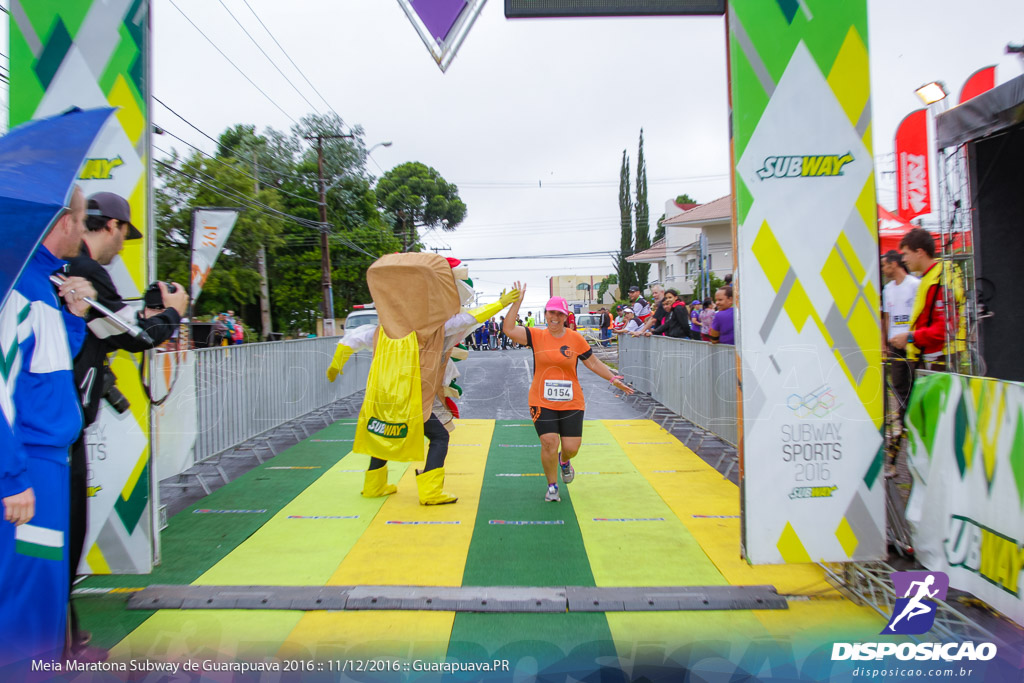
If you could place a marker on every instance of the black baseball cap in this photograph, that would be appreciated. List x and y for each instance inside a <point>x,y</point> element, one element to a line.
<point>634,288</point>
<point>110,205</point>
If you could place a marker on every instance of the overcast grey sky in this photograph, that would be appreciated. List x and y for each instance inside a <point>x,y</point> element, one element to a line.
<point>533,115</point>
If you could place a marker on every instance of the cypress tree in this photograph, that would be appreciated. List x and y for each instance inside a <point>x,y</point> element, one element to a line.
<point>643,225</point>
<point>624,268</point>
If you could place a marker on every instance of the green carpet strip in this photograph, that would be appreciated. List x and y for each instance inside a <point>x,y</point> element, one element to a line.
<point>631,535</point>
<point>193,542</point>
<point>517,551</point>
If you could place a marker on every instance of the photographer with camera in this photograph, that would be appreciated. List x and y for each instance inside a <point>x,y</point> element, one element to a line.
<point>108,224</point>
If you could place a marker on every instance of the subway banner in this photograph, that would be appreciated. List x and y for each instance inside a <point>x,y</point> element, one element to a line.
<point>809,340</point>
<point>91,53</point>
<point>966,507</point>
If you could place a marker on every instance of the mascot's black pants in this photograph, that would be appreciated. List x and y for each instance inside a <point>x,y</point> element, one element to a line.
<point>437,451</point>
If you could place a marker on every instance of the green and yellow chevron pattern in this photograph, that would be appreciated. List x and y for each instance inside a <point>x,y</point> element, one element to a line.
<point>808,291</point>
<point>92,53</point>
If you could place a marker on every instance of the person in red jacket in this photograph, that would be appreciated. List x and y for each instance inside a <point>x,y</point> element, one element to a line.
<point>926,341</point>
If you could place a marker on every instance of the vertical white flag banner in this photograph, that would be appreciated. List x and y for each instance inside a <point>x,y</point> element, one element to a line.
<point>210,230</point>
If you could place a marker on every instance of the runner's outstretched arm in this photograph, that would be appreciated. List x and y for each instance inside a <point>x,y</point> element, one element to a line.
<point>509,327</point>
<point>604,372</point>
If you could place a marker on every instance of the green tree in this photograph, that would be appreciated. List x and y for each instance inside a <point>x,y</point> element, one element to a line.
<point>659,232</point>
<point>200,181</point>
<point>605,285</point>
<point>643,211</point>
<point>357,231</point>
<point>623,268</point>
<point>716,283</point>
<point>418,197</point>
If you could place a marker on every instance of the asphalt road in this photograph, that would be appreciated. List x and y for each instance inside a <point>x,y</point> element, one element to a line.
<point>495,386</point>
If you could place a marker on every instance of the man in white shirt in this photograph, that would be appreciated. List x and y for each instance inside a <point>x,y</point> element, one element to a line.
<point>897,306</point>
<point>641,309</point>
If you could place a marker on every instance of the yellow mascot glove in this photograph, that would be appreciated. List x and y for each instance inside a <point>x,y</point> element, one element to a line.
<point>483,313</point>
<point>341,354</point>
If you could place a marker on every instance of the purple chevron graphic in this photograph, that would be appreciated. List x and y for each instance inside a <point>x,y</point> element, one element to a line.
<point>439,16</point>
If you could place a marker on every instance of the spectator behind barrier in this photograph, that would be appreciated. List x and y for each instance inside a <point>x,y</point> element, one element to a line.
<point>721,331</point>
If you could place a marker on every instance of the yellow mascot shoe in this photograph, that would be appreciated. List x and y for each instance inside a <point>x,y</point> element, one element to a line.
<point>429,485</point>
<point>376,483</point>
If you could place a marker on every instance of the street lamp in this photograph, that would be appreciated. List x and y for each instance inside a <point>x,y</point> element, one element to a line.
<point>930,93</point>
<point>379,144</point>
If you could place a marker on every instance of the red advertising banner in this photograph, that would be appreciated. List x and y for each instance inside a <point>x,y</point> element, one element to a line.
<point>981,80</point>
<point>913,185</point>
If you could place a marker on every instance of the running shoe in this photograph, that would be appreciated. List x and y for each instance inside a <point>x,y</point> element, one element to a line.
<point>552,495</point>
<point>568,473</point>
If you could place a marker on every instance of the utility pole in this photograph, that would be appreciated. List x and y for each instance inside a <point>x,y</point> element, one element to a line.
<point>325,248</point>
<point>261,263</point>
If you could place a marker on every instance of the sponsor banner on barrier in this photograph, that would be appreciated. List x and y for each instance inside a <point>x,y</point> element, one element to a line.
<point>87,53</point>
<point>807,295</point>
<point>966,508</point>
<point>175,421</point>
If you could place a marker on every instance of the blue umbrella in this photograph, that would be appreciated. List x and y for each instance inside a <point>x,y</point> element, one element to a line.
<point>38,164</point>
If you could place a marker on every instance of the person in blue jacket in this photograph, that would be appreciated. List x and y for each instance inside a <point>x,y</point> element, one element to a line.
<point>42,416</point>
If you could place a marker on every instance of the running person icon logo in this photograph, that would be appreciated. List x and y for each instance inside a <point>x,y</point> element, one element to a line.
<point>914,612</point>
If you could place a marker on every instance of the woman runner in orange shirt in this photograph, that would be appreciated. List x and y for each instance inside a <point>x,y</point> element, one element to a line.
<point>556,398</point>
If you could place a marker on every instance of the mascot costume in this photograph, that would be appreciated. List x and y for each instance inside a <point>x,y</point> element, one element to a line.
<point>422,302</point>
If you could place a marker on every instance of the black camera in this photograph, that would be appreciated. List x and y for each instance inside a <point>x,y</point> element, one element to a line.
<point>112,394</point>
<point>154,299</point>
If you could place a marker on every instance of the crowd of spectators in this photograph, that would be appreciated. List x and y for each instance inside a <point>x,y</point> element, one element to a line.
<point>670,316</point>
<point>667,314</point>
<point>489,337</point>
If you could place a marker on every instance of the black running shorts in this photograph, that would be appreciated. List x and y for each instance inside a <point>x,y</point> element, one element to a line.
<point>561,422</point>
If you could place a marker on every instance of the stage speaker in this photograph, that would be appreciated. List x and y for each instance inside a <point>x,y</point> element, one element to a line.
<point>997,200</point>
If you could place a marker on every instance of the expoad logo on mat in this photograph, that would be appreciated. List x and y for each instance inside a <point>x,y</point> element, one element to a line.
<point>913,615</point>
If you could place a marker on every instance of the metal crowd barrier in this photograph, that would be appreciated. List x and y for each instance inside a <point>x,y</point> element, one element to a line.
<point>694,379</point>
<point>245,390</point>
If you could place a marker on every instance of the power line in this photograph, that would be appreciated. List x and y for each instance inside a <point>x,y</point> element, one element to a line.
<point>287,56</point>
<point>272,62</point>
<point>269,99</point>
<point>234,168</point>
<point>234,195</point>
<point>581,184</point>
<point>258,206</point>
<point>541,256</point>
<point>205,135</point>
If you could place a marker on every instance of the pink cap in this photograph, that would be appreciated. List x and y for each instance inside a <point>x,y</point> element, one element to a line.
<point>557,303</point>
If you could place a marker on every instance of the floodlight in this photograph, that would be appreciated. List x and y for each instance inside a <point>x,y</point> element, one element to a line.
<point>930,93</point>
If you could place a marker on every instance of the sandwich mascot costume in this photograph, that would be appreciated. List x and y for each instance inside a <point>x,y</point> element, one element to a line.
<point>422,303</point>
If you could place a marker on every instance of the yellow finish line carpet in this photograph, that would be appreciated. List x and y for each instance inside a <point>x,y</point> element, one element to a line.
<point>643,511</point>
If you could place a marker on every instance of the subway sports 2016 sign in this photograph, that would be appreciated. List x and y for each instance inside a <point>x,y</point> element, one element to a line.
<point>808,324</point>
